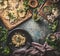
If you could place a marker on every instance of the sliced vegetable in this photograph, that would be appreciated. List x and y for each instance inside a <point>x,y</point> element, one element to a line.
<point>21,13</point>
<point>12,16</point>
<point>33,3</point>
<point>3,4</point>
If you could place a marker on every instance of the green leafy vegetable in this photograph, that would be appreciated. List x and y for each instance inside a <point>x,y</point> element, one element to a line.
<point>4,49</point>
<point>53,26</point>
<point>11,16</point>
<point>26,4</point>
<point>40,2</point>
<point>36,17</point>
<point>3,34</point>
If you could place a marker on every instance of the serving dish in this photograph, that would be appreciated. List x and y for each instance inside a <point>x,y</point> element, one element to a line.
<point>27,36</point>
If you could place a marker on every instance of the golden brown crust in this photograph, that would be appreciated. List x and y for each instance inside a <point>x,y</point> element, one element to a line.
<point>11,26</point>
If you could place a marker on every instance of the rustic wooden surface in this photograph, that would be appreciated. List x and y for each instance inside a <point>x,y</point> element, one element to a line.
<point>36,30</point>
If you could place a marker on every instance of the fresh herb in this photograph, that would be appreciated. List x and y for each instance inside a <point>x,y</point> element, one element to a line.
<point>3,34</point>
<point>36,17</point>
<point>3,39</point>
<point>26,2</point>
<point>11,16</point>
<point>6,51</point>
<point>55,44</point>
<point>26,5</point>
<point>53,26</point>
<point>40,2</point>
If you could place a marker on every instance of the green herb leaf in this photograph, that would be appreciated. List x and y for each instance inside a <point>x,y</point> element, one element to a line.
<point>53,26</point>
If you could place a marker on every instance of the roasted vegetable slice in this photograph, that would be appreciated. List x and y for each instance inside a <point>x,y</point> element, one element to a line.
<point>33,3</point>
